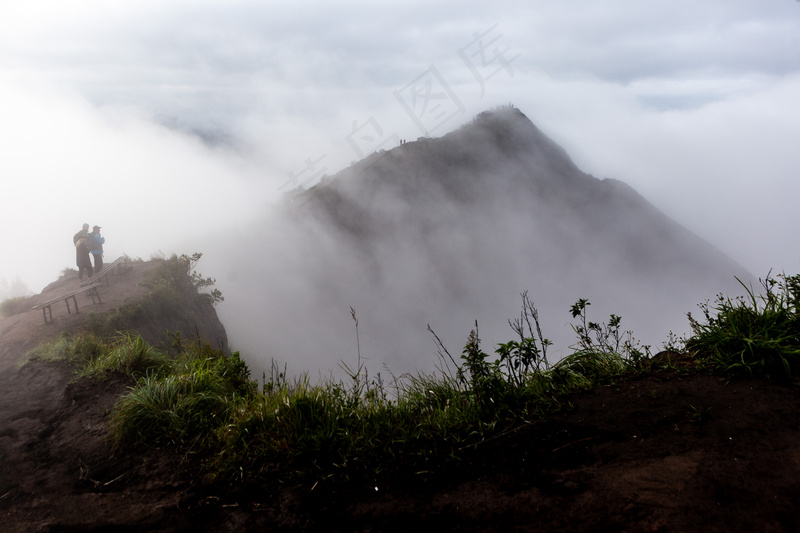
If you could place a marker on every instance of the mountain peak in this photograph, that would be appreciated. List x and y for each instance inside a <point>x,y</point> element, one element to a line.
<point>499,148</point>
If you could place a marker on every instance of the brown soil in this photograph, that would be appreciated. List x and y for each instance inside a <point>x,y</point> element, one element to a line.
<point>667,451</point>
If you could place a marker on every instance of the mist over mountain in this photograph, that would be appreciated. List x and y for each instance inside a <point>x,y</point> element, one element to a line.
<point>448,231</point>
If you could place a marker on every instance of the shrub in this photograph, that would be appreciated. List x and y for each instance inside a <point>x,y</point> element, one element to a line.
<point>12,306</point>
<point>178,274</point>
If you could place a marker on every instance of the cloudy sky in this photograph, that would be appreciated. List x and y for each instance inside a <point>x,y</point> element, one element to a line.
<point>165,120</point>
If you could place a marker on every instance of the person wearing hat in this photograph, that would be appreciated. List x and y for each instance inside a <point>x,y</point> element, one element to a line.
<point>96,242</point>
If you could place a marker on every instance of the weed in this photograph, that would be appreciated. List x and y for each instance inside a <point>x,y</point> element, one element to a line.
<point>526,354</point>
<point>177,277</point>
<point>697,415</point>
<point>674,343</point>
<point>606,337</point>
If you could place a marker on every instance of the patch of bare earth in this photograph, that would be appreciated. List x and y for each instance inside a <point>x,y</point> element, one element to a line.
<point>24,331</point>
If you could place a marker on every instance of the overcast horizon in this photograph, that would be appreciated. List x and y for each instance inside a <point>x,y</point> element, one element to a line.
<point>166,121</point>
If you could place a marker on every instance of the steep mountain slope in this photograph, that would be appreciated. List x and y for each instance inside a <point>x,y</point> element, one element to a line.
<point>451,230</point>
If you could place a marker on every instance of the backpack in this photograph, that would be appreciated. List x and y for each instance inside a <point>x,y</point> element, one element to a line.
<point>92,243</point>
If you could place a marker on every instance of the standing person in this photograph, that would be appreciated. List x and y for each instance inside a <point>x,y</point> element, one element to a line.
<point>82,258</point>
<point>83,233</point>
<point>96,247</point>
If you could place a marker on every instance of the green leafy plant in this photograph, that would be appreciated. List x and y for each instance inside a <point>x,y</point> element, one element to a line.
<point>606,337</point>
<point>756,335</point>
<point>482,376</point>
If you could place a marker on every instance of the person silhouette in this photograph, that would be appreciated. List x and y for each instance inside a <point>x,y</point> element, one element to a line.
<point>82,258</point>
<point>83,233</point>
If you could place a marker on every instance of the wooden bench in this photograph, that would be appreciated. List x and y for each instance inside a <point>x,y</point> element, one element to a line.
<point>46,306</point>
<point>118,263</point>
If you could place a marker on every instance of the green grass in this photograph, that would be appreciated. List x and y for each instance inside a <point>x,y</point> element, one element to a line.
<point>127,354</point>
<point>203,403</point>
<point>94,356</point>
<point>342,429</point>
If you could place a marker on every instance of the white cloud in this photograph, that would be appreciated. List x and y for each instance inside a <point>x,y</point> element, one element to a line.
<point>162,121</point>
<point>67,163</point>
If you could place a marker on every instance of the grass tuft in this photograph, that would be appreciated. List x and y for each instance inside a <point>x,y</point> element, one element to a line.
<point>755,335</point>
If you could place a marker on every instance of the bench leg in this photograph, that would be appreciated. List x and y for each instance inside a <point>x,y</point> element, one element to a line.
<point>95,295</point>
<point>75,301</point>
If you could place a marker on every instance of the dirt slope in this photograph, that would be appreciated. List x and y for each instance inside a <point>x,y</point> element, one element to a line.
<point>667,451</point>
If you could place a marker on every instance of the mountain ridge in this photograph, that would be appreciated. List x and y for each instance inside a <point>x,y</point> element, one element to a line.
<point>544,169</point>
<point>449,230</point>
<point>496,206</point>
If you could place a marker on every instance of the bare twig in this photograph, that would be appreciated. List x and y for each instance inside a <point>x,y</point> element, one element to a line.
<point>440,346</point>
<point>358,343</point>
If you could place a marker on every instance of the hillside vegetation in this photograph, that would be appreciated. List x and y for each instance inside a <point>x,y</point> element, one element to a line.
<point>206,405</point>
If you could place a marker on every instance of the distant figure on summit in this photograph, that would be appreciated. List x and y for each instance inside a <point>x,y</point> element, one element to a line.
<point>96,242</point>
<point>82,234</point>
